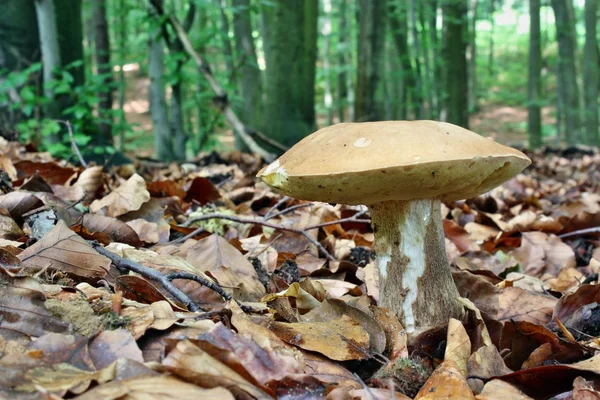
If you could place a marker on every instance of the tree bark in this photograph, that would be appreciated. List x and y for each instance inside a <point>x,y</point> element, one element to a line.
<point>454,51</point>
<point>326,33</point>
<point>289,40</point>
<point>227,50</point>
<point>567,46</point>
<point>250,78</point>
<point>398,18</point>
<point>370,57</point>
<point>590,73</point>
<point>534,115</point>
<point>342,49</point>
<point>158,105</point>
<point>46,17</point>
<point>472,71</point>
<point>435,59</point>
<point>418,89</point>
<point>103,68</point>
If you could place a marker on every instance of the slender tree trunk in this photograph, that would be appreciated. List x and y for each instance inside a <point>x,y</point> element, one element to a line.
<point>46,17</point>
<point>122,44</point>
<point>428,83</point>
<point>289,39</point>
<point>342,50</point>
<point>103,67</point>
<point>249,76</point>
<point>370,56</point>
<point>534,115</point>
<point>472,71</point>
<point>326,33</point>
<point>227,50</point>
<point>158,105</point>
<point>455,48</point>
<point>567,50</point>
<point>418,89</point>
<point>398,17</point>
<point>70,37</point>
<point>491,45</point>
<point>435,59</point>
<point>590,73</point>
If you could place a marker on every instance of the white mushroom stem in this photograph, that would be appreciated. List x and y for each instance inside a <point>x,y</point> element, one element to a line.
<point>415,280</point>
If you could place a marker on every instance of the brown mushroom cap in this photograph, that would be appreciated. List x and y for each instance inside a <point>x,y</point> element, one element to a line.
<point>369,162</point>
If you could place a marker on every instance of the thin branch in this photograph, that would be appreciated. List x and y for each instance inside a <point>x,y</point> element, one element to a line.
<point>580,232</point>
<point>276,206</point>
<point>242,220</point>
<point>147,272</point>
<point>354,218</point>
<point>267,139</point>
<point>221,95</point>
<point>288,210</point>
<point>67,123</point>
<point>211,285</point>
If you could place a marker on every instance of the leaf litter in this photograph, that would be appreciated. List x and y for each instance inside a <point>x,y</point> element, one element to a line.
<point>173,282</point>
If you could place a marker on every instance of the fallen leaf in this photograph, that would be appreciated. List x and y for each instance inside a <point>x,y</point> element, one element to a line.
<point>129,196</point>
<point>63,250</point>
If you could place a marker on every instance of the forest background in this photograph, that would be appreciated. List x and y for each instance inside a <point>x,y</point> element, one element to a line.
<point>171,78</point>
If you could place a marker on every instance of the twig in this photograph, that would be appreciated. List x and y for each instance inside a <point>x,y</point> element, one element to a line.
<point>146,272</point>
<point>242,220</point>
<point>580,232</point>
<point>287,210</point>
<point>354,218</point>
<point>276,206</point>
<point>211,285</point>
<point>267,140</point>
<point>73,144</point>
<point>221,95</point>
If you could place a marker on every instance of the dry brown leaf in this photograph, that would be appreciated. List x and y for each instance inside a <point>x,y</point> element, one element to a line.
<point>518,304</point>
<point>129,196</point>
<point>22,310</point>
<point>500,390</point>
<point>446,382</point>
<point>213,253</point>
<point>341,339</point>
<point>90,180</point>
<point>542,253</point>
<point>18,203</point>
<point>117,230</point>
<point>63,250</point>
<point>194,364</point>
<point>109,346</point>
<point>487,362</point>
<point>582,390</point>
<point>161,387</point>
<point>458,347</point>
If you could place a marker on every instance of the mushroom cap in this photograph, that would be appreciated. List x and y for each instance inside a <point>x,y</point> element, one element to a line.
<point>370,162</point>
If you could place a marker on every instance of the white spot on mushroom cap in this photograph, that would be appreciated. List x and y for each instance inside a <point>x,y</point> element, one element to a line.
<point>362,142</point>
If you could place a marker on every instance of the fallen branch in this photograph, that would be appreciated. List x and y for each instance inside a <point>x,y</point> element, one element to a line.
<point>73,143</point>
<point>211,285</point>
<point>263,222</point>
<point>147,272</point>
<point>587,231</point>
<point>221,95</point>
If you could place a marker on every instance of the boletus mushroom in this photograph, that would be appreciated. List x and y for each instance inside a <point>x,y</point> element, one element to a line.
<point>401,170</point>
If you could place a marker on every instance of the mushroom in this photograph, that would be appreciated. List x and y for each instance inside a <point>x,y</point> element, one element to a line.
<point>401,170</point>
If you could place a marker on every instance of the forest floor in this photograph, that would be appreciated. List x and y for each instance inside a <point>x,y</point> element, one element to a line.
<point>504,124</point>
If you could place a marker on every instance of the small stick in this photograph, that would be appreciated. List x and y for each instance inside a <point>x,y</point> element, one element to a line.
<point>287,210</point>
<point>73,144</point>
<point>211,285</point>
<point>276,206</point>
<point>580,232</point>
<point>146,272</point>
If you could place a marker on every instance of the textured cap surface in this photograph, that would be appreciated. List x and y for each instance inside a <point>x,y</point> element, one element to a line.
<point>369,162</point>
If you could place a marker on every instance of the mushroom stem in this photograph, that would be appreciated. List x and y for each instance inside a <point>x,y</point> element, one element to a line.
<point>415,281</point>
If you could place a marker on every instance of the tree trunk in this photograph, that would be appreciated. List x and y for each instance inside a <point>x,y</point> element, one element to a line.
<point>491,45</point>
<point>472,71</point>
<point>326,33</point>
<point>289,40</point>
<point>435,59</point>
<point>70,37</point>
<point>567,46</point>
<point>590,73</point>
<point>342,49</point>
<point>398,17</point>
<point>46,16</point>
<point>418,89</point>
<point>158,105</point>
<point>370,56</point>
<point>227,50</point>
<point>454,51</point>
<point>103,68</point>
<point>428,84</point>
<point>122,43</point>
<point>534,116</point>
